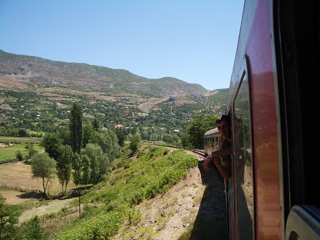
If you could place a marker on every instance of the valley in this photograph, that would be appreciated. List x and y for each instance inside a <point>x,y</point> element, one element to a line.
<point>147,193</point>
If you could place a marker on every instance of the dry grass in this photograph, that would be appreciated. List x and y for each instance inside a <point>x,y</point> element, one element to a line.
<point>13,197</point>
<point>18,176</point>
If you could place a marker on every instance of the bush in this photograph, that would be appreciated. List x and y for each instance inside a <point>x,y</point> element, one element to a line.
<point>135,143</point>
<point>23,133</point>
<point>19,156</point>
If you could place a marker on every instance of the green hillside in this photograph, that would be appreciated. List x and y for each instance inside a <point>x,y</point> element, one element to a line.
<point>112,203</point>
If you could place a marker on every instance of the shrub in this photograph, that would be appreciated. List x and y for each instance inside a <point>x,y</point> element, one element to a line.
<point>19,156</point>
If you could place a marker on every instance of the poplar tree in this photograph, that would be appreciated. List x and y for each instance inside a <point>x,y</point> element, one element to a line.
<point>64,166</point>
<point>76,127</point>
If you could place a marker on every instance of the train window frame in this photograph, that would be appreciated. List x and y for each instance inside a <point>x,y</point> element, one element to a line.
<point>243,85</point>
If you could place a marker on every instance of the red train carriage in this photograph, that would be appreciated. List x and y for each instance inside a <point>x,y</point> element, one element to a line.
<point>273,101</point>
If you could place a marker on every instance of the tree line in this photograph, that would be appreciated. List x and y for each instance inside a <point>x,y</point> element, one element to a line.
<point>193,136</point>
<point>84,152</point>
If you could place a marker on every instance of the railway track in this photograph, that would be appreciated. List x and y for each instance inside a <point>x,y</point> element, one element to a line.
<point>196,151</point>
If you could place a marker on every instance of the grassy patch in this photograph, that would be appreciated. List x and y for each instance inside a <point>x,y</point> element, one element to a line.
<point>9,153</point>
<point>22,140</point>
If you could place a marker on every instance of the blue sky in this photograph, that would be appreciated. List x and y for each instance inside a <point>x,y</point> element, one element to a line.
<point>192,40</point>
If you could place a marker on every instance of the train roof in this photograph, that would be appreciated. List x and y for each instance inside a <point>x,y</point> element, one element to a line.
<point>212,132</point>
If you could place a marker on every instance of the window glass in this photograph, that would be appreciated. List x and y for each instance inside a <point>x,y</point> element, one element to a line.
<point>242,137</point>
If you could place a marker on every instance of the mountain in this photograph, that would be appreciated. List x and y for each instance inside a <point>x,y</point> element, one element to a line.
<point>39,71</point>
<point>37,94</point>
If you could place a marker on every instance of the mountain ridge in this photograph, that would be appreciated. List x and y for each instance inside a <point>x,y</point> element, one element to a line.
<point>36,70</point>
<point>36,94</point>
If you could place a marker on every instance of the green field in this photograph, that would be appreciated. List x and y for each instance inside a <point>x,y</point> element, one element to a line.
<point>22,140</point>
<point>9,153</point>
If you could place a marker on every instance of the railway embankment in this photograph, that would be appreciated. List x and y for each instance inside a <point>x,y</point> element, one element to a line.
<point>194,208</point>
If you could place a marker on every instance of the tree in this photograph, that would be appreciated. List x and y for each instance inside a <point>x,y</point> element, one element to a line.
<point>31,150</point>
<point>185,141</point>
<point>43,167</point>
<point>64,137</point>
<point>9,219</point>
<point>33,230</point>
<point>135,143</point>
<point>96,124</point>
<point>82,169</point>
<point>76,127</point>
<point>99,161</point>
<point>87,134</point>
<point>19,155</point>
<point>199,125</point>
<point>22,132</point>
<point>86,170</point>
<point>64,166</point>
<point>77,165</point>
<point>51,144</point>
<point>108,142</point>
<point>121,136</point>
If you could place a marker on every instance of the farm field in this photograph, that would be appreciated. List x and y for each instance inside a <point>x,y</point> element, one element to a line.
<point>22,140</point>
<point>8,152</point>
<point>17,176</point>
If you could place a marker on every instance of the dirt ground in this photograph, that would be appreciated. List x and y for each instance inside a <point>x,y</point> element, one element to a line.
<point>192,208</point>
<point>19,187</point>
<point>18,176</point>
<point>52,207</point>
<point>13,197</point>
<point>2,145</point>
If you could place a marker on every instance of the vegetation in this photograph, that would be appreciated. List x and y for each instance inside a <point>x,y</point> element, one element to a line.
<point>43,167</point>
<point>33,230</point>
<point>109,203</point>
<point>76,127</point>
<point>9,229</point>
<point>8,220</point>
<point>135,143</point>
<point>195,131</point>
<point>10,152</point>
<point>74,121</point>
<point>64,166</point>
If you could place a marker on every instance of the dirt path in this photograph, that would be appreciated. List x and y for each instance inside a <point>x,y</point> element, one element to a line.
<point>148,105</point>
<point>53,207</point>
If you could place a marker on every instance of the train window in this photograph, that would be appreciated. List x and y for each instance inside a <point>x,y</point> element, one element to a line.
<point>244,178</point>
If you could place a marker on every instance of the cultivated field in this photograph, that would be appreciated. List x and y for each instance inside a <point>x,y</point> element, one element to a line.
<point>23,140</point>
<point>8,151</point>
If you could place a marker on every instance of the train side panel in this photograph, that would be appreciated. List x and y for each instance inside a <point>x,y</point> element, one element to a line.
<point>264,125</point>
<point>272,90</point>
<point>255,50</point>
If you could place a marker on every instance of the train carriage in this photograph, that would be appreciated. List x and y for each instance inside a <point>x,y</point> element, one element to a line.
<point>273,103</point>
<point>211,140</point>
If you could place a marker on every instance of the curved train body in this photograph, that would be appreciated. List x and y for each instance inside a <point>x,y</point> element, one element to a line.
<point>273,103</point>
